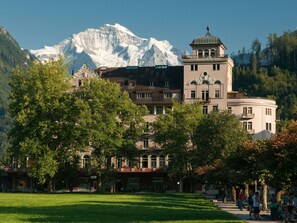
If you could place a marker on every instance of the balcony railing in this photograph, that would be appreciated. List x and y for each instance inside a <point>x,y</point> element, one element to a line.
<point>247,116</point>
<point>184,57</point>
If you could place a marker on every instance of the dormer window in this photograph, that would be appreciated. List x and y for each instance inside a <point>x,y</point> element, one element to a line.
<point>212,52</point>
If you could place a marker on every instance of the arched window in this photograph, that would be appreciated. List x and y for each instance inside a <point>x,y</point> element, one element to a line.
<point>144,161</point>
<point>79,82</point>
<point>162,161</point>
<point>153,161</point>
<point>217,82</point>
<point>205,82</point>
<point>194,82</point>
<point>86,161</point>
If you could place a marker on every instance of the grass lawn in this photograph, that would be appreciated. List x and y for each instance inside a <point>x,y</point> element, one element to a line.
<point>22,207</point>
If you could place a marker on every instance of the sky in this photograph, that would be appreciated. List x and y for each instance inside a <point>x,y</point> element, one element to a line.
<point>36,23</point>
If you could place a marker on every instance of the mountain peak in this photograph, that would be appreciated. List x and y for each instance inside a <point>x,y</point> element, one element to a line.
<point>121,28</point>
<point>111,46</point>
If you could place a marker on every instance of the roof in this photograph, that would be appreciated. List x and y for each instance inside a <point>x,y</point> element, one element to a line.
<point>208,39</point>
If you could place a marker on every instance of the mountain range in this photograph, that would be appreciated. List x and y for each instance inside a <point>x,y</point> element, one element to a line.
<point>111,46</point>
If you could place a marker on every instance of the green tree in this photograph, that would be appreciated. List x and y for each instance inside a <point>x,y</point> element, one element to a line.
<point>281,157</point>
<point>217,136</point>
<point>109,121</point>
<point>175,133</point>
<point>43,121</point>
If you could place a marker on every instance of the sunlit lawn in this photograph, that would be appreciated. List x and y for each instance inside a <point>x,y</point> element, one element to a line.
<point>21,207</point>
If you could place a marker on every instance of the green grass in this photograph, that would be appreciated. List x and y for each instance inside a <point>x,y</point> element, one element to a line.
<point>19,207</point>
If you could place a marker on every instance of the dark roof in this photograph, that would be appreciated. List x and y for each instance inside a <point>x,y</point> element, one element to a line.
<point>208,39</point>
<point>144,75</point>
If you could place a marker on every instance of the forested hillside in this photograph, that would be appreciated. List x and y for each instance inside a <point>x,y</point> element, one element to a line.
<point>272,73</point>
<point>11,55</point>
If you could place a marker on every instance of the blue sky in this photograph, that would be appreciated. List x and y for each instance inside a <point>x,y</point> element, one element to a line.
<point>35,23</point>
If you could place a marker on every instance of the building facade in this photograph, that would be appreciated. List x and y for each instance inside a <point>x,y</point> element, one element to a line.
<point>205,76</point>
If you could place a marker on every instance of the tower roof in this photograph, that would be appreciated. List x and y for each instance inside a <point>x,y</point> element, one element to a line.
<point>208,39</point>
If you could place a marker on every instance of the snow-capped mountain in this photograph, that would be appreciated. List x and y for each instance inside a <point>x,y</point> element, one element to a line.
<point>111,46</point>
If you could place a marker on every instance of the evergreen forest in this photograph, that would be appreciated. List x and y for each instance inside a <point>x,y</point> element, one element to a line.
<point>271,72</point>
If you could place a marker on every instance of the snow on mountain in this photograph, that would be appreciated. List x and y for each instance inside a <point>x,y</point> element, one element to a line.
<point>111,46</point>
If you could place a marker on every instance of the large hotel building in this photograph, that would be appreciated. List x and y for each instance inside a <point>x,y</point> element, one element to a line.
<point>206,75</point>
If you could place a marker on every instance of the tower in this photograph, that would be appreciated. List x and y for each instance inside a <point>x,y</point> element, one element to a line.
<point>208,73</point>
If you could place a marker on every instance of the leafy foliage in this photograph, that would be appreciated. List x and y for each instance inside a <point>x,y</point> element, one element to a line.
<point>108,119</point>
<point>43,124</point>
<point>175,132</point>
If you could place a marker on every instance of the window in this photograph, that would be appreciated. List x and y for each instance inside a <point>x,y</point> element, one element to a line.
<point>200,53</point>
<point>167,95</point>
<point>217,82</point>
<point>153,161</point>
<point>144,161</point>
<point>215,108</point>
<point>212,52</point>
<point>159,110</point>
<point>205,95</point>
<point>230,109</point>
<point>86,161</point>
<point>205,82</point>
<point>217,93</point>
<point>131,84</point>
<point>250,125</point>
<point>151,110</point>
<point>268,126</point>
<point>145,143</point>
<point>206,53</point>
<point>268,111</point>
<point>144,95</point>
<point>193,94</point>
<point>205,110</point>
<point>194,67</point>
<point>79,83</point>
<point>247,125</point>
<point>216,67</point>
<point>167,83</point>
<point>162,161</point>
<point>247,110</point>
<point>119,162</point>
<point>194,82</point>
<point>152,83</point>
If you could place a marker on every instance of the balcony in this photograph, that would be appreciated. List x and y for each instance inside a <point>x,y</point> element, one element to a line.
<point>251,131</point>
<point>247,116</point>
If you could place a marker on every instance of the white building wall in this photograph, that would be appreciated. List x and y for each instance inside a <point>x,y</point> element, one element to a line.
<point>259,117</point>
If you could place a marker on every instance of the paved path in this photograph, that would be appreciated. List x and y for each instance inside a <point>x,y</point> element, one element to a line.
<point>244,214</point>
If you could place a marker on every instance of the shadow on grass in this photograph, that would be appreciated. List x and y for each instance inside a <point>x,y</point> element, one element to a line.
<point>153,208</point>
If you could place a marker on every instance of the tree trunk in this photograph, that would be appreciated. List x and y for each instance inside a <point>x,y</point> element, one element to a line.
<point>233,192</point>
<point>181,185</point>
<point>50,188</point>
<point>99,183</point>
<point>264,197</point>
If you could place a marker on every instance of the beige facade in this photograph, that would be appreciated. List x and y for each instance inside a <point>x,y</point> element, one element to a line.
<point>208,78</point>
